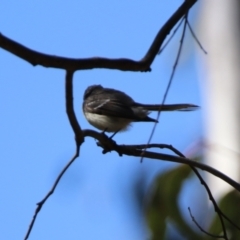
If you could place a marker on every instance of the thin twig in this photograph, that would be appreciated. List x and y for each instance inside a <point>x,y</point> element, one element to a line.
<point>230,221</point>
<point>41,203</point>
<point>170,79</point>
<point>170,38</point>
<point>195,37</point>
<point>134,150</point>
<point>217,209</point>
<point>129,150</point>
<point>207,233</point>
<point>124,64</point>
<point>156,145</point>
<point>78,139</point>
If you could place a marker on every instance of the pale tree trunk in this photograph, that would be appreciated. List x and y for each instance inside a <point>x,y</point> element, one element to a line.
<point>220,80</point>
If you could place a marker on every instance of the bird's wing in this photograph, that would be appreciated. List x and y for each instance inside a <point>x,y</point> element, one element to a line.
<point>109,107</point>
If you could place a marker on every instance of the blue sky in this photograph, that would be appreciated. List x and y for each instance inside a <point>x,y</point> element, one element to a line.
<point>93,200</point>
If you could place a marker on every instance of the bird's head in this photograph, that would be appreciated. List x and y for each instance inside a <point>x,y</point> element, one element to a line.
<point>90,90</point>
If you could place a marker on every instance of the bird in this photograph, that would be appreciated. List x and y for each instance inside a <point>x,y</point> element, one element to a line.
<point>111,110</point>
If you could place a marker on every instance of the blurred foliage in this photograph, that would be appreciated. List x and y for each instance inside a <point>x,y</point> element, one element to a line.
<point>230,206</point>
<point>163,204</point>
<point>162,208</point>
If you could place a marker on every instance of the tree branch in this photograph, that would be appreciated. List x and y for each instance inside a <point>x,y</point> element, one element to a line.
<point>41,203</point>
<point>109,145</point>
<point>207,233</point>
<point>78,139</point>
<point>70,108</point>
<point>124,64</point>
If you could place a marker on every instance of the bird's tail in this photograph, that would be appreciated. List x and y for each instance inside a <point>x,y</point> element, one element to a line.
<point>168,107</point>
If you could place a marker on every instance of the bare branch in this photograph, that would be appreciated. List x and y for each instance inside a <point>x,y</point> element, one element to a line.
<point>209,234</point>
<point>217,209</point>
<point>170,38</point>
<point>109,145</point>
<point>70,109</point>
<point>156,145</point>
<point>195,38</point>
<point>41,203</point>
<point>170,79</point>
<point>124,64</point>
<point>78,138</point>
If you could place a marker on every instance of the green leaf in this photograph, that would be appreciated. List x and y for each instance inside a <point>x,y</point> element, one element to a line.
<point>163,204</point>
<point>230,206</point>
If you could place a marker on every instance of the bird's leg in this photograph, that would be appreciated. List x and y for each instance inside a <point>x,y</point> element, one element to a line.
<point>114,134</point>
<point>103,132</point>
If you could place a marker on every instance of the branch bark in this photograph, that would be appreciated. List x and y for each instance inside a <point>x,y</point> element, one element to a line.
<point>124,64</point>
<point>109,145</point>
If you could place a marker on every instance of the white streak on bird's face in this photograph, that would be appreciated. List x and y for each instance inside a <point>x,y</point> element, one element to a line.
<point>102,104</point>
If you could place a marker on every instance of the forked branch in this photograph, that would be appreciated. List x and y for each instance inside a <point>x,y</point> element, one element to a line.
<point>124,64</point>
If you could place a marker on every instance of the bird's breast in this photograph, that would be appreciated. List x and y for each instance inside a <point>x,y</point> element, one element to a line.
<point>107,123</point>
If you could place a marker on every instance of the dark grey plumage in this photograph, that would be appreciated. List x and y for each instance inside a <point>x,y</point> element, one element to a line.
<point>112,110</point>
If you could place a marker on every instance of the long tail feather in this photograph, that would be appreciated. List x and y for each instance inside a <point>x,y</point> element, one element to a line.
<point>168,107</point>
